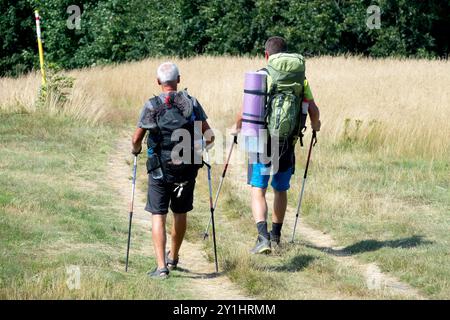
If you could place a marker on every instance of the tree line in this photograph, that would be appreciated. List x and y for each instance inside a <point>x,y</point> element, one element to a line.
<point>118,30</point>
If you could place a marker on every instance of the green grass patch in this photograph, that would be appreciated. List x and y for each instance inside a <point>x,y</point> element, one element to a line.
<point>392,211</point>
<point>57,211</point>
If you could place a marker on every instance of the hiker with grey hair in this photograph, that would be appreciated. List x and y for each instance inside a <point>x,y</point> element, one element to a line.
<point>171,119</point>
<point>285,78</point>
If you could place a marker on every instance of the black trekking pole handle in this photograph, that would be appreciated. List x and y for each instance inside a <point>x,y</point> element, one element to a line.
<point>314,138</point>
<point>311,145</point>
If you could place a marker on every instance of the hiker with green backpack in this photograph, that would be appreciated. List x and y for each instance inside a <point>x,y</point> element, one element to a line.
<point>288,102</point>
<point>175,124</point>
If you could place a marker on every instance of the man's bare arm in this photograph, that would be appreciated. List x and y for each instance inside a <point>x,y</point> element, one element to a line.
<point>238,124</point>
<point>209,136</point>
<point>136,141</point>
<point>314,115</point>
<point>239,120</point>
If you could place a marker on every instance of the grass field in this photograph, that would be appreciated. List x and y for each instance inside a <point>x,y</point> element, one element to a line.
<point>379,180</point>
<point>57,211</point>
<point>385,209</point>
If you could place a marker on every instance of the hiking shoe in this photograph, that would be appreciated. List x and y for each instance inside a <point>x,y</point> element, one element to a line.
<point>274,240</point>
<point>262,245</point>
<point>275,243</point>
<point>171,264</point>
<point>162,273</point>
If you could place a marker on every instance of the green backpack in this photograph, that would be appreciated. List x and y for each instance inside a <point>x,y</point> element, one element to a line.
<point>285,81</point>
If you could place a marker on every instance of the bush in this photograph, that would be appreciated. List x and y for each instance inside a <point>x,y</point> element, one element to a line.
<point>115,31</point>
<point>55,93</point>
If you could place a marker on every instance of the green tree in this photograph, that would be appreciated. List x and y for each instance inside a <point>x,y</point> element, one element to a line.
<point>117,30</point>
<point>17,37</point>
<point>230,26</point>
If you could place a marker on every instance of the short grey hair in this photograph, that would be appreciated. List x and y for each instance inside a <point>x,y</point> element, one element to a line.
<point>168,71</point>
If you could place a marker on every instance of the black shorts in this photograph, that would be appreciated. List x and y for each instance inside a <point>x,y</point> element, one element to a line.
<point>161,194</point>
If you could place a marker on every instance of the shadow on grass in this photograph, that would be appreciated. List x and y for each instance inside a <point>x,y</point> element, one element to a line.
<point>373,245</point>
<point>295,264</point>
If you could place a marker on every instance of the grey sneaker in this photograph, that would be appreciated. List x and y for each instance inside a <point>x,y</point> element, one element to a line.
<point>162,273</point>
<point>262,245</point>
<point>275,243</point>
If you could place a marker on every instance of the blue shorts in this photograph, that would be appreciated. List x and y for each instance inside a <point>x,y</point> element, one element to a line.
<point>258,178</point>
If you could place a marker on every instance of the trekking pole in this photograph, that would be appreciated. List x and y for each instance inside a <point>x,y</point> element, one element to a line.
<point>133,186</point>
<point>313,143</point>
<point>212,209</point>
<point>205,235</point>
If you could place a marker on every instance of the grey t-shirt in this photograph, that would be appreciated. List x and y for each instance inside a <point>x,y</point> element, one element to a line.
<point>147,120</point>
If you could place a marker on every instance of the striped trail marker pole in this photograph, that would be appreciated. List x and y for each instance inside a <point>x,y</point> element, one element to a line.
<point>41,50</point>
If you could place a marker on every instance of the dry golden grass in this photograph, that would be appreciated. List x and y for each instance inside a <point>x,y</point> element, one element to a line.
<point>19,93</point>
<point>403,104</point>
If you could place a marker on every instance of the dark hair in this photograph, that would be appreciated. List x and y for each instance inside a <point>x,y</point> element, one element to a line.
<point>275,45</point>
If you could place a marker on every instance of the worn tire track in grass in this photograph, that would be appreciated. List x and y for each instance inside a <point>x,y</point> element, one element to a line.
<point>201,281</point>
<point>374,277</point>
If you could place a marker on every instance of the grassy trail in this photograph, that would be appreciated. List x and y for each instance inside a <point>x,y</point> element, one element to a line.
<point>73,213</point>
<point>296,271</point>
<point>196,274</point>
<point>399,257</point>
<point>60,216</point>
<point>316,239</point>
<point>378,185</point>
<point>385,210</point>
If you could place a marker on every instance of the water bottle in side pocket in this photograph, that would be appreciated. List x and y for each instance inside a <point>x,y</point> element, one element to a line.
<point>153,165</point>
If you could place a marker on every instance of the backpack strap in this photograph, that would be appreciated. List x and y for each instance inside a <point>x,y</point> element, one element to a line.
<point>255,92</point>
<point>263,70</point>
<point>156,103</point>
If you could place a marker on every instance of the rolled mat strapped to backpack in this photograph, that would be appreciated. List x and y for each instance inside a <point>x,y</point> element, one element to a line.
<point>253,116</point>
<point>254,104</point>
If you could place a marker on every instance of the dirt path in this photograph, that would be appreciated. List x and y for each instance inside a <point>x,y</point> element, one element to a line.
<point>203,282</point>
<point>375,279</point>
